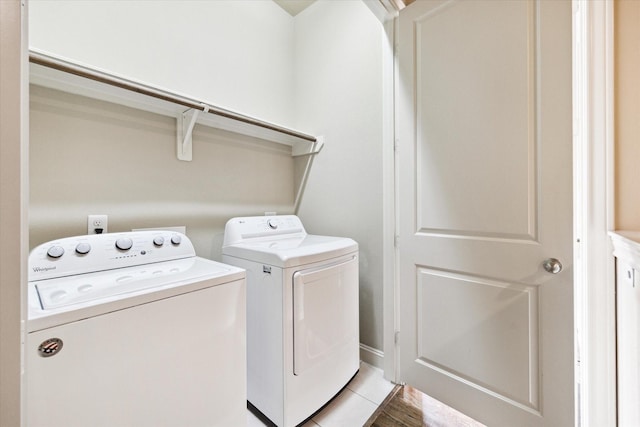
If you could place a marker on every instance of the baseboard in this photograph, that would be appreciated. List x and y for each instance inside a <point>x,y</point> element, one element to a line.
<point>372,356</point>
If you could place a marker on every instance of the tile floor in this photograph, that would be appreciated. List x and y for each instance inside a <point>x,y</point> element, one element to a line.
<point>353,406</point>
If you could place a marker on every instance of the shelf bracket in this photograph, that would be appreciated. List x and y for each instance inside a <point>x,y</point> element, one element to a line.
<point>313,150</point>
<point>184,129</point>
<point>308,149</point>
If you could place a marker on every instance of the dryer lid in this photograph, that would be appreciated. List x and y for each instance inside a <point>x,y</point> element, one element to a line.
<point>281,241</point>
<point>262,229</point>
<point>289,252</point>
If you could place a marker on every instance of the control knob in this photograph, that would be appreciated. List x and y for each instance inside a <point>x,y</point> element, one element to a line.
<point>176,239</point>
<point>83,248</point>
<point>158,241</point>
<point>55,251</point>
<point>124,243</point>
<point>272,224</point>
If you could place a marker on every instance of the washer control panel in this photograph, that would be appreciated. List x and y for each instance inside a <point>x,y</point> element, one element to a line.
<point>250,228</point>
<point>98,252</point>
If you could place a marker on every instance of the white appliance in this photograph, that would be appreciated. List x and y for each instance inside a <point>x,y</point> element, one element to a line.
<point>134,330</point>
<point>302,314</point>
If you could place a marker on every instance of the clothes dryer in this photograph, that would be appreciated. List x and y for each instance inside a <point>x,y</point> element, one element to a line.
<point>302,314</point>
<point>134,330</point>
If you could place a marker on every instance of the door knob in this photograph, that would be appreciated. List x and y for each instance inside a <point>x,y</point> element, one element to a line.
<point>552,265</point>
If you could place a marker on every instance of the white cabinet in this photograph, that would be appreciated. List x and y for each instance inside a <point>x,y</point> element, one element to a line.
<point>627,252</point>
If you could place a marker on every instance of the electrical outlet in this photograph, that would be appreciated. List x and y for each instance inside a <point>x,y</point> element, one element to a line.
<point>97,224</point>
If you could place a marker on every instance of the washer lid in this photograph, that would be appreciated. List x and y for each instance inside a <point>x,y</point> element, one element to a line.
<point>289,252</point>
<point>141,289</point>
<point>120,283</point>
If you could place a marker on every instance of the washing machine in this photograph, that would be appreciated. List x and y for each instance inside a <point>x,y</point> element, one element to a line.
<point>132,330</point>
<point>302,314</point>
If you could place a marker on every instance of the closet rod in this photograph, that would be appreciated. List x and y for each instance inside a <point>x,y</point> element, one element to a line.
<point>78,70</point>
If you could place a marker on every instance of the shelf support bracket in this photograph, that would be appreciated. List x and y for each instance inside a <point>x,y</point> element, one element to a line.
<point>308,149</point>
<point>184,128</point>
<point>313,150</point>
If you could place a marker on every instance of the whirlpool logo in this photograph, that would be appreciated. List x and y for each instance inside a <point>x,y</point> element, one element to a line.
<point>50,347</point>
<point>42,269</point>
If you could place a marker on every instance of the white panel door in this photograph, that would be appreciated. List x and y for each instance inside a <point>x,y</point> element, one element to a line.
<point>485,178</point>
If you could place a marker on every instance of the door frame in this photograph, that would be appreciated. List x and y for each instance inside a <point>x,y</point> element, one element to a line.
<point>594,183</point>
<point>594,274</point>
<point>14,197</point>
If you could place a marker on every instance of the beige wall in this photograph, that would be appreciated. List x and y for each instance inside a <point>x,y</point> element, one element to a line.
<point>94,157</point>
<point>91,157</point>
<point>339,95</point>
<point>13,249</point>
<point>229,53</point>
<point>627,114</point>
<point>329,56</point>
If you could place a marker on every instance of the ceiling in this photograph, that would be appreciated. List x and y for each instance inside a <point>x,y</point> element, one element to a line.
<point>294,6</point>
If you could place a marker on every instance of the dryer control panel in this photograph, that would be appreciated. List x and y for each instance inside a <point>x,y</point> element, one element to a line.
<point>98,252</point>
<point>254,228</point>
